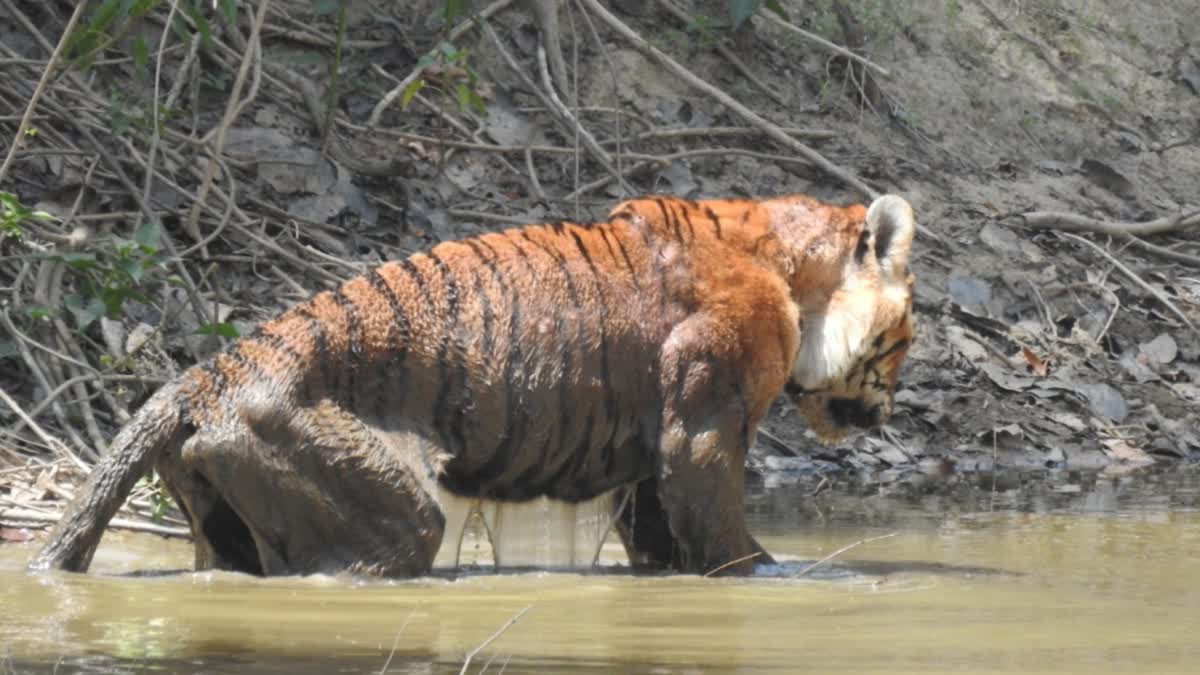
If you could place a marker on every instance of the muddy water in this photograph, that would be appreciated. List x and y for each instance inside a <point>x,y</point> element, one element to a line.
<point>1058,574</point>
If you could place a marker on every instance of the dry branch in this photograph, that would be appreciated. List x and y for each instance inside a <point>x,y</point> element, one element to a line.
<point>727,53</point>
<point>397,91</point>
<point>811,566</point>
<point>1133,276</point>
<point>769,128</point>
<point>28,516</point>
<point>509,624</point>
<point>774,19</point>
<point>1072,222</point>
<point>1131,232</point>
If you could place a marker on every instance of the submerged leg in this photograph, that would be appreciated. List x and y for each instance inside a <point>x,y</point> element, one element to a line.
<point>318,491</point>
<point>643,528</point>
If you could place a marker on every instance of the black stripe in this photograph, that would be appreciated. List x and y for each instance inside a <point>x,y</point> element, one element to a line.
<point>685,212</point>
<point>604,234</point>
<point>484,303</point>
<point>316,331</point>
<point>712,215</point>
<point>253,370</point>
<point>452,438</point>
<point>669,218</point>
<point>610,397</point>
<point>515,417</point>
<point>216,377</point>
<point>352,360</point>
<point>413,273</point>
<point>546,249</point>
<point>583,251</point>
<point>451,286</point>
<point>386,377</point>
<point>569,475</point>
<point>564,406</point>
<point>399,317</point>
<point>278,343</point>
<point>628,263</point>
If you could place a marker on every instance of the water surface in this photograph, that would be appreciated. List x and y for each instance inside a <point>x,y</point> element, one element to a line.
<point>1057,573</point>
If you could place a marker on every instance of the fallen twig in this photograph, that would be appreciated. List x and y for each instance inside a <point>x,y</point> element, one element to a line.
<point>40,89</point>
<point>397,91</point>
<point>1130,232</point>
<point>471,654</point>
<point>728,54</point>
<point>233,106</point>
<point>396,641</point>
<point>808,568</point>
<point>735,561</point>
<point>769,128</point>
<point>1133,276</point>
<point>1057,220</point>
<point>29,516</point>
<point>774,19</point>
<point>46,438</point>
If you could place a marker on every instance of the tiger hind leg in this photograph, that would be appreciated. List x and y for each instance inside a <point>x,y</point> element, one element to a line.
<point>318,491</point>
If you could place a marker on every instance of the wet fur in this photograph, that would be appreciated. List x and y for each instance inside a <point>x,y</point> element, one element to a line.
<point>563,360</point>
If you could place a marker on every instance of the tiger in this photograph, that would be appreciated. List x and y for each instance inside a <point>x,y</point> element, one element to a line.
<point>637,354</point>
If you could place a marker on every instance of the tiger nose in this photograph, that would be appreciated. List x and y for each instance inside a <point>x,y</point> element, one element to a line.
<point>847,412</point>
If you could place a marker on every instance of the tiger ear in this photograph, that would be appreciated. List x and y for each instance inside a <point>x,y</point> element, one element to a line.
<point>892,225</point>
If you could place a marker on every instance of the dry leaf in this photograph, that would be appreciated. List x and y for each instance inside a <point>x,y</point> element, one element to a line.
<point>15,535</point>
<point>1034,363</point>
<point>1122,450</point>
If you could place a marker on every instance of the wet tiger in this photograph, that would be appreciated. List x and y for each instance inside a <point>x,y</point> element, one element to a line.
<point>561,360</point>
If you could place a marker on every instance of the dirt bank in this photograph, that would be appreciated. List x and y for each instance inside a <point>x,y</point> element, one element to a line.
<point>1036,348</point>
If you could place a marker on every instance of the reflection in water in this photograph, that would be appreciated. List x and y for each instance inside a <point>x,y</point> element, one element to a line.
<point>1046,573</point>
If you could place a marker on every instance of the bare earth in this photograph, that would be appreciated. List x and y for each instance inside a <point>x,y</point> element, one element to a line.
<point>1035,348</point>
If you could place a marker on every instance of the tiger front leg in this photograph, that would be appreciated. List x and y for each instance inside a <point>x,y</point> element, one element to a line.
<point>712,407</point>
<point>720,370</point>
<point>701,486</point>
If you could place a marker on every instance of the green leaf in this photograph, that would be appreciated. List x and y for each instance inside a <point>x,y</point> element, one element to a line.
<point>774,6</point>
<point>740,10</point>
<point>132,268</point>
<point>37,313</point>
<point>463,94</point>
<point>194,12</point>
<point>78,259</point>
<point>425,61</point>
<point>324,7</point>
<point>454,9</point>
<point>223,329</point>
<point>229,7</point>
<point>85,311</point>
<point>410,91</point>
<point>140,52</point>
<point>147,236</point>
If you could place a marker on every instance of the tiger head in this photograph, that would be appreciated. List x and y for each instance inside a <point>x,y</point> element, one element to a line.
<point>853,339</point>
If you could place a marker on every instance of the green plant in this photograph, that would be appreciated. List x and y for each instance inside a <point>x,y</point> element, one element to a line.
<point>111,20</point>
<point>105,278</point>
<point>451,63</point>
<point>953,10</point>
<point>741,10</point>
<point>160,500</point>
<point>13,213</point>
<point>454,65</point>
